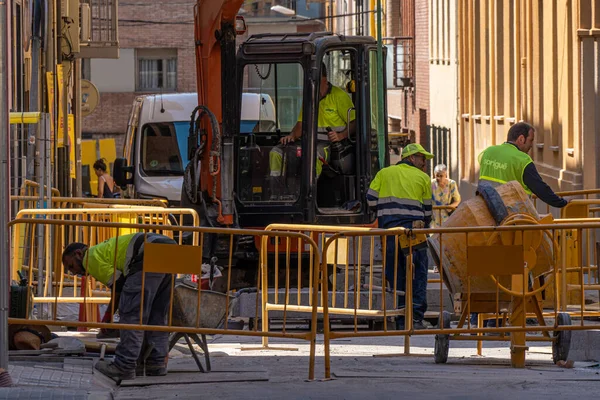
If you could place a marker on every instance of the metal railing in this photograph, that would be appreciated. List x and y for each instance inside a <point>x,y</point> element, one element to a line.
<point>191,311</point>
<point>39,252</point>
<point>403,56</point>
<point>104,24</point>
<point>483,268</point>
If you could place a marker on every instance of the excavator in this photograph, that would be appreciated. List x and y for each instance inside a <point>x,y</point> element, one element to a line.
<point>230,178</point>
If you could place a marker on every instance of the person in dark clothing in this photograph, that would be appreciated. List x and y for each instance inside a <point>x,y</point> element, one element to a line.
<point>510,162</point>
<point>106,184</point>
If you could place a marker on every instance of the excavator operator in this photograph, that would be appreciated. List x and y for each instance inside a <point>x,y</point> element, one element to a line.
<point>333,126</point>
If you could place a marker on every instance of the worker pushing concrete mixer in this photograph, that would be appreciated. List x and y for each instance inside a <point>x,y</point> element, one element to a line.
<point>402,195</point>
<point>510,162</point>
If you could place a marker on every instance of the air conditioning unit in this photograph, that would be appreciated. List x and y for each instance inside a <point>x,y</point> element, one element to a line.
<point>86,23</point>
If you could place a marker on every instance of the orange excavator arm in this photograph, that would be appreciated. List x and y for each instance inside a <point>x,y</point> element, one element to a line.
<point>214,35</point>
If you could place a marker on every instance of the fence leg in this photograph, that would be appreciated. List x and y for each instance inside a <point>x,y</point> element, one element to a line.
<point>517,318</point>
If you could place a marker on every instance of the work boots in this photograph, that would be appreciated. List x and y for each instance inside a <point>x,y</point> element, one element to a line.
<point>150,370</point>
<point>112,371</point>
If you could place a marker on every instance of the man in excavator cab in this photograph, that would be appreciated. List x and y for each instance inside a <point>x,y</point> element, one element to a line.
<point>334,132</point>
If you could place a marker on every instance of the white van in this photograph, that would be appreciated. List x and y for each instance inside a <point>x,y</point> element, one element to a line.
<point>155,149</point>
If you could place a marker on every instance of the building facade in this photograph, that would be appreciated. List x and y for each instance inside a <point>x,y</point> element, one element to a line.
<point>544,70</point>
<point>156,54</point>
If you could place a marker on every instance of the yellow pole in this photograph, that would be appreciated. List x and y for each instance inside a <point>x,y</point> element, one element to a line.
<point>372,18</point>
<point>25,117</point>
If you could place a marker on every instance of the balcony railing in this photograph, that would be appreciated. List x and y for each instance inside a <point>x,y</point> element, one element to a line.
<point>402,51</point>
<point>103,29</point>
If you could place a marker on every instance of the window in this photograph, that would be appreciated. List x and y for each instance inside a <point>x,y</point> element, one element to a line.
<point>156,70</point>
<point>163,148</point>
<point>271,104</point>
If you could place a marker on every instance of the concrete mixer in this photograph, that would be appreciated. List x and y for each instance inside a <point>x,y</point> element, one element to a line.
<point>504,273</point>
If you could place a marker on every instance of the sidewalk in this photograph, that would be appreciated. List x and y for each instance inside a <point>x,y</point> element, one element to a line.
<point>361,368</point>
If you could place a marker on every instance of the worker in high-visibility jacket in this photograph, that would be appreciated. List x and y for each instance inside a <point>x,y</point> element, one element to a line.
<point>333,125</point>
<point>402,195</point>
<point>127,252</point>
<point>510,162</point>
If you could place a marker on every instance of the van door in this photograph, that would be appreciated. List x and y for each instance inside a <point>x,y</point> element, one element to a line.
<point>130,142</point>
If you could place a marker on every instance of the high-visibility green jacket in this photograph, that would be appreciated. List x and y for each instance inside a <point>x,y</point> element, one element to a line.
<point>100,260</point>
<point>333,112</point>
<point>401,193</point>
<point>503,163</point>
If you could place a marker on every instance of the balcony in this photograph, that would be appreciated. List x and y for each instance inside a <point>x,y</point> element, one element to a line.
<point>99,29</point>
<point>401,64</point>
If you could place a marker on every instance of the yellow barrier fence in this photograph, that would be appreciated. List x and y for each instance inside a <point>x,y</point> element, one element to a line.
<point>23,202</point>
<point>193,311</point>
<point>39,249</point>
<point>501,273</point>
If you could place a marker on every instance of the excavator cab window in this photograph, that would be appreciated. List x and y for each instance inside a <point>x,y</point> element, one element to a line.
<point>266,170</point>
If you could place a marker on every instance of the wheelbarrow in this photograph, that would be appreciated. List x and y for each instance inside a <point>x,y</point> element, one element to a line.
<point>210,311</point>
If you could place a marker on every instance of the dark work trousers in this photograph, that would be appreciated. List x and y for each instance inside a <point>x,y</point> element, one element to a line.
<point>157,297</point>
<point>419,280</point>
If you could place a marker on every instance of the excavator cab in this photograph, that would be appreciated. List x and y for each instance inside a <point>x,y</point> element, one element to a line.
<point>312,179</point>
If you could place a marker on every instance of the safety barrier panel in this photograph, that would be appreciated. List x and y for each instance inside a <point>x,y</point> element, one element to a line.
<point>38,249</point>
<point>301,300</point>
<point>193,311</point>
<point>502,273</point>
<point>23,202</point>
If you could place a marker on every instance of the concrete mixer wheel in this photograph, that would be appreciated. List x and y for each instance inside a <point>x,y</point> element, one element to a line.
<point>562,339</point>
<point>442,342</point>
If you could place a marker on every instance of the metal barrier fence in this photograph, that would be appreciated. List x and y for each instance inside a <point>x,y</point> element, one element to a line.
<point>582,210</point>
<point>502,273</point>
<point>302,294</point>
<point>23,202</point>
<point>515,272</point>
<point>38,250</point>
<point>186,316</point>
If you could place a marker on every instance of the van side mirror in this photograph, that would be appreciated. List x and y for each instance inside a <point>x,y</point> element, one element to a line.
<point>120,171</point>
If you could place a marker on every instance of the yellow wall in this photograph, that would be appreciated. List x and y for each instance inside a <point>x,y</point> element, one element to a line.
<point>521,60</point>
<point>92,150</point>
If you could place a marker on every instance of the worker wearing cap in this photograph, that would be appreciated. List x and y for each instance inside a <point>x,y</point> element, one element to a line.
<point>127,251</point>
<point>333,126</point>
<point>510,162</point>
<point>402,195</point>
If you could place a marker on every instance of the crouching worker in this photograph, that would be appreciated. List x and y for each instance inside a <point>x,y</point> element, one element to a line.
<point>128,252</point>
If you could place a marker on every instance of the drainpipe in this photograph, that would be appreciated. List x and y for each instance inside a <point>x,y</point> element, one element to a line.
<point>380,100</point>
<point>4,182</point>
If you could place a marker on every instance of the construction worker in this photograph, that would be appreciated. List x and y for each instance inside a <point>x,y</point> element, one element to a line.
<point>402,195</point>
<point>97,261</point>
<point>333,126</point>
<point>510,162</point>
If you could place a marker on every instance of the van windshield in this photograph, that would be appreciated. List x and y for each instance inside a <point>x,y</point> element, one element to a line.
<point>164,147</point>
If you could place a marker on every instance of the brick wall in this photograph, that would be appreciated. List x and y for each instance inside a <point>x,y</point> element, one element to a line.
<point>414,107</point>
<point>176,31</point>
